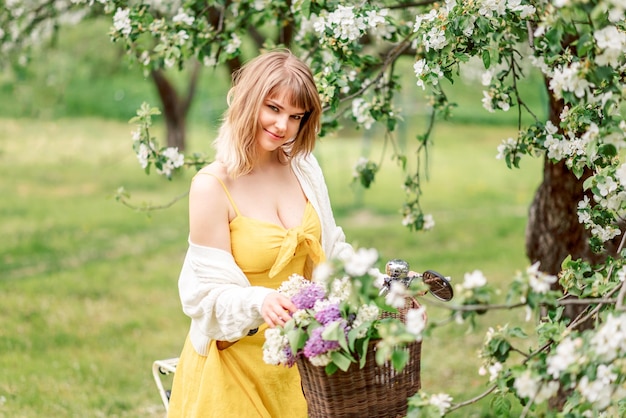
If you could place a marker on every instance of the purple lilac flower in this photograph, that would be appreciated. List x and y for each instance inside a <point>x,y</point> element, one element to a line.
<point>291,359</point>
<point>328,314</point>
<point>306,297</point>
<point>316,345</point>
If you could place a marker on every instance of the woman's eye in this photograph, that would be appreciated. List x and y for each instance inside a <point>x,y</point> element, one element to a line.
<point>274,108</point>
<point>297,117</point>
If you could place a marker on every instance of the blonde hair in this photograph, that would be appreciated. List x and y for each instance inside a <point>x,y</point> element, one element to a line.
<point>266,76</point>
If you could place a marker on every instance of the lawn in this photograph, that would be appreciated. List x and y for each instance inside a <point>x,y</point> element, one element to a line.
<point>89,296</point>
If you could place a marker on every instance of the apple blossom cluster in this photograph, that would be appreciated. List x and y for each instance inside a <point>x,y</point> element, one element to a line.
<point>338,313</point>
<point>166,160</point>
<point>588,363</point>
<point>342,27</point>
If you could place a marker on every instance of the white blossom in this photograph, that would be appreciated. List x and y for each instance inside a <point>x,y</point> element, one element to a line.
<point>121,21</point>
<point>539,281</point>
<point>443,401</point>
<point>183,17</point>
<point>610,339</point>
<point>567,353</point>
<point>360,261</point>
<point>273,352</point>
<point>416,322</point>
<point>142,155</point>
<point>321,360</point>
<point>474,279</point>
<point>429,222</point>
<point>233,45</point>
<point>361,112</point>
<point>397,294</point>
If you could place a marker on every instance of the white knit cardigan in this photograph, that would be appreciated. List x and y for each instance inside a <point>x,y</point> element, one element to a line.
<point>214,291</point>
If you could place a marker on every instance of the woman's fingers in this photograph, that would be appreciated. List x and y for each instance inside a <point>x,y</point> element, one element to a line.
<point>276,309</point>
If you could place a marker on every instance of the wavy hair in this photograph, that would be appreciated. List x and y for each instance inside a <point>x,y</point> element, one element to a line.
<point>266,76</point>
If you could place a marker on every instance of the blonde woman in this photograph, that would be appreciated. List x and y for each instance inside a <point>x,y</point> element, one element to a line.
<point>259,213</point>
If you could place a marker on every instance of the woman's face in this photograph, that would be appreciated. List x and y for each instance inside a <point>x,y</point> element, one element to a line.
<point>279,122</point>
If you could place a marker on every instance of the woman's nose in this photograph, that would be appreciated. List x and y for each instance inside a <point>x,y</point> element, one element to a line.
<point>281,121</point>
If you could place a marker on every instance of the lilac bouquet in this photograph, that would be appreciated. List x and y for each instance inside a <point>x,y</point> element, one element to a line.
<point>339,313</point>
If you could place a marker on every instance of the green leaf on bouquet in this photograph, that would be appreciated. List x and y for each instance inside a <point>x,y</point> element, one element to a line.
<point>297,337</point>
<point>399,358</point>
<point>335,332</point>
<point>341,360</point>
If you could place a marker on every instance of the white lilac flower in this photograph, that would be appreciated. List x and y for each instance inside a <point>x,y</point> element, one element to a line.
<point>121,21</point>
<point>366,313</point>
<point>320,360</point>
<point>340,290</point>
<point>293,285</point>
<point>566,354</point>
<point>274,347</point>
<point>442,401</point>
<point>416,322</point>
<point>474,279</point>
<point>136,134</point>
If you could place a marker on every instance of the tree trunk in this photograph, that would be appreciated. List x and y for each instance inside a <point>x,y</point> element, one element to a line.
<point>175,108</point>
<point>553,230</point>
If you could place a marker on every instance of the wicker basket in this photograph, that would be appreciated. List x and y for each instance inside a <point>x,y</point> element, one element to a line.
<point>373,391</point>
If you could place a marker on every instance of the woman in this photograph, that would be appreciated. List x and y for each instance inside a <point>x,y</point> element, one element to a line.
<point>258,214</point>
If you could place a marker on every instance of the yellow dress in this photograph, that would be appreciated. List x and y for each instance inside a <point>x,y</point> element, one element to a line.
<point>235,382</point>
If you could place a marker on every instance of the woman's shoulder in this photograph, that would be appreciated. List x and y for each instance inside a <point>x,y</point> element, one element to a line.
<point>210,178</point>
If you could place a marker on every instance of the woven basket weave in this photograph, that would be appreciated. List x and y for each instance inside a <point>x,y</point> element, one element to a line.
<point>373,391</point>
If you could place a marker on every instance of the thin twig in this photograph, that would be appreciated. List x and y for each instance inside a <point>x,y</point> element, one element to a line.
<point>148,208</point>
<point>473,400</point>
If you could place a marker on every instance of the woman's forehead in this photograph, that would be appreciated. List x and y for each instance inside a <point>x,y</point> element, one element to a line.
<point>287,99</point>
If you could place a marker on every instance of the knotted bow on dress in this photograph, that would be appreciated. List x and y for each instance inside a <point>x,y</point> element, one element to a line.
<point>294,238</point>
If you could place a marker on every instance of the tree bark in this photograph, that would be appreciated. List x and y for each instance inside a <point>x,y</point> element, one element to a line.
<point>176,108</point>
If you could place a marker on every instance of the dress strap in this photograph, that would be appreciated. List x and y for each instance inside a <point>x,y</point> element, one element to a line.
<point>232,202</point>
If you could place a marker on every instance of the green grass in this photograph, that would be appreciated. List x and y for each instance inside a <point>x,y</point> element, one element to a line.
<point>89,296</point>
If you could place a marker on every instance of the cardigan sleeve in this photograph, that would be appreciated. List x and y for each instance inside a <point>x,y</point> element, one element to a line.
<point>218,297</point>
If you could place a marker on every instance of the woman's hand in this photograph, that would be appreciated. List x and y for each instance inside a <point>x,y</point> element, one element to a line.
<point>277,309</point>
